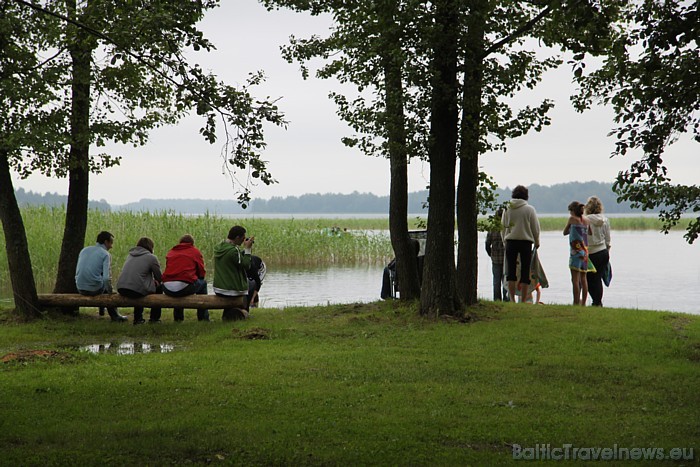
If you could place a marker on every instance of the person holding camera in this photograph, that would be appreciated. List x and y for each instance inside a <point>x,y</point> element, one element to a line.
<point>232,258</point>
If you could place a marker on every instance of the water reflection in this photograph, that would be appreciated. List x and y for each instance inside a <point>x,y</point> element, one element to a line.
<point>127,348</point>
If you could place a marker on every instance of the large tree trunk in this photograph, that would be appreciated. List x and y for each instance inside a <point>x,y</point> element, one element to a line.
<point>18,259</point>
<point>79,162</point>
<point>406,261</point>
<point>438,294</point>
<point>470,148</point>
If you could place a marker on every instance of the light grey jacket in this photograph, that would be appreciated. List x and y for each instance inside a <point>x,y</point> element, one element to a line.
<point>141,270</point>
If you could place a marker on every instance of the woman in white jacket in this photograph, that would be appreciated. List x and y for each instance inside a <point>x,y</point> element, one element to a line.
<point>598,248</point>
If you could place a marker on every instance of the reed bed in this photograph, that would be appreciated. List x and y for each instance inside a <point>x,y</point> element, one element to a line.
<point>282,242</point>
<point>288,242</point>
<point>616,223</point>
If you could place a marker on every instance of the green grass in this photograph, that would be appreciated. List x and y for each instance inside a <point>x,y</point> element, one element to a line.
<point>367,384</point>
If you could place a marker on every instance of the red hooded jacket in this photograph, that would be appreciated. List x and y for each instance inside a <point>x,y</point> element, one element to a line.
<point>184,262</point>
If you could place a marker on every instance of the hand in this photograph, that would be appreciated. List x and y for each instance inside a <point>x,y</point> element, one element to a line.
<point>248,242</point>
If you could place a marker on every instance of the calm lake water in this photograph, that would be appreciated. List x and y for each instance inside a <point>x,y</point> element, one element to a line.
<point>650,271</point>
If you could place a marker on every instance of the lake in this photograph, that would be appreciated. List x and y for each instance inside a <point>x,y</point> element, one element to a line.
<point>650,271</point>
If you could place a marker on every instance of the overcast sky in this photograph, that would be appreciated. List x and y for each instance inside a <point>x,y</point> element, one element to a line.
<point>309,157</point>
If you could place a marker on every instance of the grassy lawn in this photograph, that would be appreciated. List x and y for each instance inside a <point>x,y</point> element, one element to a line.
<point>370,384</point>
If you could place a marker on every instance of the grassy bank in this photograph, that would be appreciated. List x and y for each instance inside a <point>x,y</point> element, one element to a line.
<point>350,385</point>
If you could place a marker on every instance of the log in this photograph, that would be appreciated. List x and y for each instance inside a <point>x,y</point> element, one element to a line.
<point>154,300</point>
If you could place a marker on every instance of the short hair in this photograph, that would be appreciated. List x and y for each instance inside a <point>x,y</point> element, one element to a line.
<point>147,243</point>
<point>594,205</point>
<point>236,231</point>
<point>103,236</point>
<point>187,238</point>
<point>520,192</point>
<point>576,208</point>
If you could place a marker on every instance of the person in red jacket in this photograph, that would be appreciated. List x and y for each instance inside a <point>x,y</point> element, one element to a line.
<point>184,275</point>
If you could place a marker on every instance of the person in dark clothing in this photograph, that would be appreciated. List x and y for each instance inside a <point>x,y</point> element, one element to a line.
<point>496,250</point>
<point>256,274</point>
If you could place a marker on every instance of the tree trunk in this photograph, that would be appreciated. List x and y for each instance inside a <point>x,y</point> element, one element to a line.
<point>406,261</point>
<point>438,294</point>
<point>18,259</point>
<point>470,148</point>
<point>79,161</point>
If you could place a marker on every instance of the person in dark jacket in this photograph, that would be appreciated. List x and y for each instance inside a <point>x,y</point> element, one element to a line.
<point>496,250</point>
<point>184,275</point>
<point>255,274</point>
<point>141,276</point>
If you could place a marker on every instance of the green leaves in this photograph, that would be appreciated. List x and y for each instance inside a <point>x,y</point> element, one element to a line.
<point>652,81</point>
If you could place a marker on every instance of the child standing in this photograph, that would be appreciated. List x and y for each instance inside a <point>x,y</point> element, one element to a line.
<point>578,228</point>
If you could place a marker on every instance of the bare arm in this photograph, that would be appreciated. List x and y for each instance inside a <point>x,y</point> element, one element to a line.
<point>568,226</point>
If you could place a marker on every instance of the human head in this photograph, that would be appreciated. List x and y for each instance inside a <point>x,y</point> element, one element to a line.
<point>520,192</point>
<point>576,208</point>
<point>236,233</point>
<point>187,238</point>
<point>105,238</point>
<point>594,205</point>
<point>147,243</point>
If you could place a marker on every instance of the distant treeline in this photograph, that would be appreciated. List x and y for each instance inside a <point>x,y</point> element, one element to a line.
<point>29,198</point>
<point>546,199</point>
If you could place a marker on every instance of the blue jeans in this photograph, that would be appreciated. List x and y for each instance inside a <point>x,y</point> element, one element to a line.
<point>198,287</point>
<point>112,311</point>
<point>500,292</point>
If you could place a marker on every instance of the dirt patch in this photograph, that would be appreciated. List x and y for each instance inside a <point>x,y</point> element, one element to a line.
<point>678,323</point>
<point>252,334</point>
<point>29,356</point>
<point>694,353</point>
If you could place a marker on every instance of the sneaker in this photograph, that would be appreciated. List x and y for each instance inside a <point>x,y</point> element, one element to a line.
<point>140,321</point>
<point>153,321</point>
<point>119,318</point>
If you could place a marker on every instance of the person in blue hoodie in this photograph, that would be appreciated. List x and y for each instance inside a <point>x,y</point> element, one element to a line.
<point>232,258</point>
<point>93,274</point>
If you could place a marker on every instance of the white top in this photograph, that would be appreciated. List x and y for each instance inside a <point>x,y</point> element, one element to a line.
<point>599,239</point>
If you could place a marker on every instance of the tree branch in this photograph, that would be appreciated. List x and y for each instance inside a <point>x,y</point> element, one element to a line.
<point>520,31</point>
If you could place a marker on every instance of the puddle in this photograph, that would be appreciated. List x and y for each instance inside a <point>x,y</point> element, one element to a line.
<point>127,348</point>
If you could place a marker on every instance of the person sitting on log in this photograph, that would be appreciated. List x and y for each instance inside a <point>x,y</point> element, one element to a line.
<point>232,258</point>
<point>184,275</point>
<point>93,275</point>
<point>141,276</point>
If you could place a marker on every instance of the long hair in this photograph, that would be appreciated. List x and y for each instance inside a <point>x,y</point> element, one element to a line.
<point>594,205</point>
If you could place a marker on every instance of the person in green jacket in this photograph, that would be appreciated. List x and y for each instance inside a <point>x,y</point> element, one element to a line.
<point>232,258</point>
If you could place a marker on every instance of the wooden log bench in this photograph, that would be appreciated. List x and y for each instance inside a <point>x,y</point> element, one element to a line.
<point>154,300</point>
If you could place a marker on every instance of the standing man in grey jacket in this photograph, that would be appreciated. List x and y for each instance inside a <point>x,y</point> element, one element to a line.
<point>521,230</point>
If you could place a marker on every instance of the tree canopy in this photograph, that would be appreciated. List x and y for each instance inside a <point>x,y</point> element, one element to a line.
<point>651,79</point>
